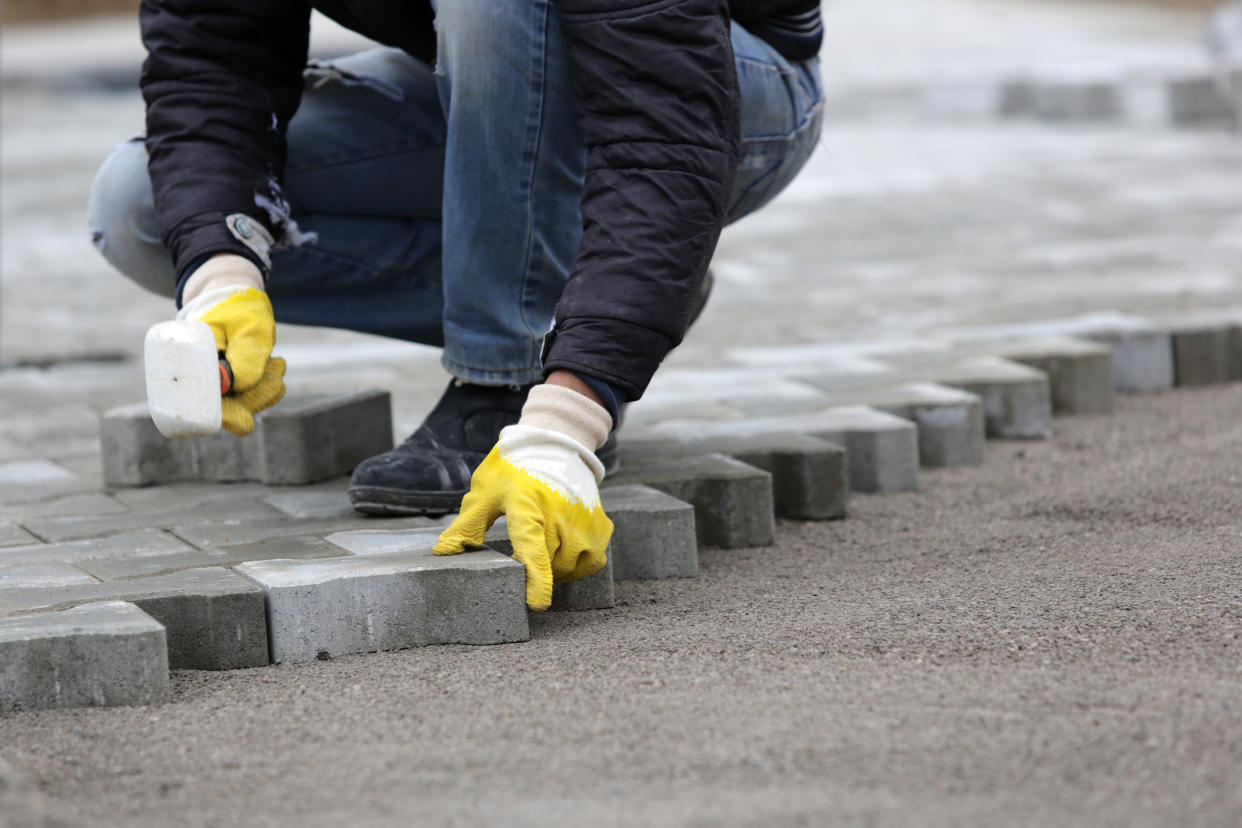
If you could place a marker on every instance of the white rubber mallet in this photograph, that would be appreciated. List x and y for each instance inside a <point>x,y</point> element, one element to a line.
<point>185,378</point>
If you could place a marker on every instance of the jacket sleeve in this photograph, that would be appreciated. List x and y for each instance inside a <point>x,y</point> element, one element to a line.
<point>656,89</point>
<point>221,80</point>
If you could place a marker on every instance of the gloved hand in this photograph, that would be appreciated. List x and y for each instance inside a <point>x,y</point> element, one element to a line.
<point>543,475</point>
<point>226,292</point>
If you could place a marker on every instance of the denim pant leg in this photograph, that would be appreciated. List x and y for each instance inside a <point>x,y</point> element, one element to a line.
<point>364,174</point>
<point>782,113</point>
<point>513,174</point>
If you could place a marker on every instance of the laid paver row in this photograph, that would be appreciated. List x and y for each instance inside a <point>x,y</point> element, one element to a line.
<point>266,584</point>
<point>1178,98</point>
<point>343,431</point>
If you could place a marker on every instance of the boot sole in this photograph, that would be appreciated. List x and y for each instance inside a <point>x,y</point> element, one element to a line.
<point>377,500</point>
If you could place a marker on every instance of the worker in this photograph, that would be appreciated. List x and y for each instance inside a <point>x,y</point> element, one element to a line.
<point>536,187</point>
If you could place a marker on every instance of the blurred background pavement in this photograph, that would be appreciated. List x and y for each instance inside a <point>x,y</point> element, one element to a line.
<point>986,164</point>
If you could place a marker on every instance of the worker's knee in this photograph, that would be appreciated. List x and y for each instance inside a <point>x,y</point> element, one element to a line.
<point>121,218</point>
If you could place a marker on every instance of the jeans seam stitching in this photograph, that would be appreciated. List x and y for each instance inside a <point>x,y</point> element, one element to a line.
<point>801,126</point>
<point>353,159</point>
<point>538,86</point>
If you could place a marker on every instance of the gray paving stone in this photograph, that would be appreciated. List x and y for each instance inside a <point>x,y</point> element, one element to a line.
<point>773,398</point>
<point>1199,99</point>
<point>301,440</point>
<point>13,535</point>
<point>89,503</point>
<point>75,527</point>
<point>1016,98</point>
<point>589,593</point>
<point>42,574</point>
<point>214,617</point>
<point>1076,100</point>
<point>1207,354</point>
<point>1017,400</point>
<point>301,548</point>
<point>809,475</point>
<point>1234,348</point>
<point>949,420</point>
<point>732,500</point>
<point>49,431</point>
<point>1080,373</point>
<point>882,450</point>
<point>228,532</point>
<point>647,411</point>
<point>1187,100</point>
<point>314,438</point>
<point>86,470</point>
<point>1142,359</point>
<point>177,496</point>
<point>98,655</point>
<point>750,390</point>
<point>316,504</point>
<point>392,541</point>
<point>127,544</point>
<point>215,620</point>
<point>136,454</point>
<point>32,472</point>
<point>326,608</point>
<point>34,494</point>
<point>653,536</point>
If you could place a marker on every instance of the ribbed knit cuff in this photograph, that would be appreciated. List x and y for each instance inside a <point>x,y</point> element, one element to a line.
<point>565,410</point>
<point>225,270</point>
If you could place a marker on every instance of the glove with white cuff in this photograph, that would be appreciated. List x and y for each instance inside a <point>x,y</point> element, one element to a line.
<point>544,476</point>
<point>227,293</point>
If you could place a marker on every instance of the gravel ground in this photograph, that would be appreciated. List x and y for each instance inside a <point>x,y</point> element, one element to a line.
<point>1054,637</point>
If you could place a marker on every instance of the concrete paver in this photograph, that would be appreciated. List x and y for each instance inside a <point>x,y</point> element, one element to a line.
<point>1017,401</point>
<point>330,607</point>
<point>100,654</point>
<point>238,530</point>
<point>137,543</point>
<point>303,440</point>
<point>593,592</point>
<point>1142,357</point>
<point>881,449</point>
<point>732,500</point>
<point>1080,372</point>
<point>214,618</point>
<point>654,535</point>
<point>1206,355</point>
<point>809,475</point>
<point>283,546</point>
<point>14,535</point>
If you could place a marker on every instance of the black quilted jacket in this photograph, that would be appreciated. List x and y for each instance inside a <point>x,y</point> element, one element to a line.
<point>657,100</point>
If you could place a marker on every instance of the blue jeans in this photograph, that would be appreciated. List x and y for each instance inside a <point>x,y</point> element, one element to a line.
<point>445,201</point>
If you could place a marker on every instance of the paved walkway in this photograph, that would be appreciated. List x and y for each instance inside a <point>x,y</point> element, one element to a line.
<point>909,234</point>
<point>1051,638</point>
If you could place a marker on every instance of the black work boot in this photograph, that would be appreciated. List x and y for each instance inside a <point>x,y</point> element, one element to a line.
<point>430,472</point>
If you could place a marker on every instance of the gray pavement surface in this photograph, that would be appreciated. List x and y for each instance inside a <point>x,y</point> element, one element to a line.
<point>1052,638</point>
<point>1048,638</point>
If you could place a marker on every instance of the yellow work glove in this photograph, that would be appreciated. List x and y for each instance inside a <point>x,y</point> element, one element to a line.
<point>544,476</point>
<point>226,292</point>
